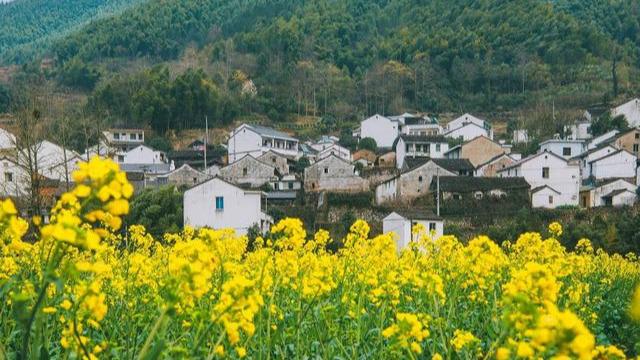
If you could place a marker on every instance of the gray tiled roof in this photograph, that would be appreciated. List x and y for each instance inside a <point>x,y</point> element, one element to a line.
<point>146,168</point>
<point>265,131</point>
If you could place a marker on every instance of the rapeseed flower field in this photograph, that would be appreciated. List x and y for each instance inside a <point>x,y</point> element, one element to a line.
<point>85,291</point>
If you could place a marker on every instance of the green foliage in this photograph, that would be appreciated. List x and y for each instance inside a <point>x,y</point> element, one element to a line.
<point>153,97</point>
<point>5,98</point>
<point>354,200</point>
<point>159,210</point>
<point>339,60</point>
<point>160,143</point>
<point>301,164</point>
<point>75,73</point>
<point>27,26</point>
<point>606,123</point>
<point>368,144</point>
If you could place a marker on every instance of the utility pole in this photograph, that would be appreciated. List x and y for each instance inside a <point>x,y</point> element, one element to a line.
<point>206,135</point>
<point>438,191</point>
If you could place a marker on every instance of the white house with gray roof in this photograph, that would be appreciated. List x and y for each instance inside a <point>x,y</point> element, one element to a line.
<point>555,181</point>
<point>256,140</point>
<point>219,204</point>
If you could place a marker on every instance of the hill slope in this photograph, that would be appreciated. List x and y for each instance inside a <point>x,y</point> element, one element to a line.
<point>343,59</point>
<point>25,22</point>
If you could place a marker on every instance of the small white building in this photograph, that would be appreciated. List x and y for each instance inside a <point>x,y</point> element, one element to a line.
<point>563,147</point>
<point>14,180</point>
<point>520,136</point>
<point>469,131</point>
<point>630,110</point>
<point>420,126</point>
<point>219,204</point>
<point>618,164</point>
<point>143,154</point>
<point>581,130</point>
<point>54,161</point>
<point>255,140</point>
<point>401,222</point>
<point>610,192</point>
<point>554,180</point>
<point>380,128</point>
<point>419,146</point>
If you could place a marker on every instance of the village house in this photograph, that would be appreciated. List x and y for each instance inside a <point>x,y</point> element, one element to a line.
<point>195,159</point>
<point>563,147</point>
<point>117,141</point>
<point>54,161</point>
<point>365,157</point>
<point>630,110</point>
<point>401,222</point>
<point>467,189</point>
<point>587,157</point>
<point>468,127</point>
<point>279,161</point>
<point>490,167</point>
<point>629,140</point>
<point>381,129</point>
<point>7,140</point>
<point>554,180</point>
<point>419,125</point>
<point>15,180</point>
<point>324,142</point>
<point>143,154</point>
<point>256,140</point>
<point>602,139</point>
<point>306,151</point>
<point>337,150</point>
<point>289,182</point>
<point>609,192</point>
<point>580,130</point>
<point>333,174</point>
<point>415,181</point>
<point>249,171</point>
<point>182,176</point>
<point>478,150</point>
<point>417,146</point>
<point>218,204</point>
<point>618,164</point>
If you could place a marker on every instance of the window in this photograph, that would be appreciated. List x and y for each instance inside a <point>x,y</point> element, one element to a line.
<point>637,135</point>
<point>437,147</point>
<point>195,180</point>
<point>132,136</point>
<point>273,159</point>
<point>407,148</point>
<point>326,170</point>
<point>244,171</point>
<point>219,203</point>
<point>290,186</point>
<point>545,172</point>
<point>120,158</point>
<point>550,199</point>
<point>566,151</point>
<point>432,226</point>
<point>139,136</point>
<point>8,177</point>
<point>457,197</point>
<point>116,136</point>
<point>420,178</point>
<point>635,147</point>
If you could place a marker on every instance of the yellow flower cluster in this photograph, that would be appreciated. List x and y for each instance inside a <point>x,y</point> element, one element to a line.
<point>202,294</point>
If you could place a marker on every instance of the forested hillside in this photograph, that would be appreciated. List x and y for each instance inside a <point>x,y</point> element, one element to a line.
<point>24,22</point>
<point>341,59</point>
